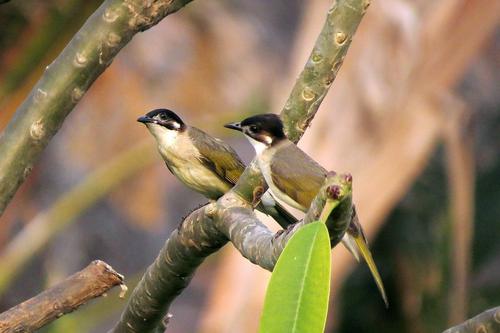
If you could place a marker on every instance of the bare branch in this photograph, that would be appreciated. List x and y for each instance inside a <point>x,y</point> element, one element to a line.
<point>314,81</point>
<point>185,249</point>
<point>231,214</point>
<point>198,236</point>
<point>262,247</point>
<point>67,79</point>
<point>323,64</point>
<point>93,281</point>
<point>488,321</point>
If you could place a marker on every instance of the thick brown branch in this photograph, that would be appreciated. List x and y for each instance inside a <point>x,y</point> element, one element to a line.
<point>204,232</point>
<point>65,297</point>
<point>185,249</point>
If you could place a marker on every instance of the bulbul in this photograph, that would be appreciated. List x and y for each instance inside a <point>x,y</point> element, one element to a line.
<point>202,162</point>
<point>295,178</point>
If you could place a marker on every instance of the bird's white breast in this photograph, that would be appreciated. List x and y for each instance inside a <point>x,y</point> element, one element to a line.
<point>181,155</point>
<point>264,159</point>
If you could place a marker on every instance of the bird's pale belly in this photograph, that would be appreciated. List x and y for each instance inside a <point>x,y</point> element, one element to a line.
<point>201,180</point>
<point>278,193</point>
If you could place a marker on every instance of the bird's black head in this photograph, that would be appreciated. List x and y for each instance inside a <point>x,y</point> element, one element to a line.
<point>265,128</point>
<point>165,118</point>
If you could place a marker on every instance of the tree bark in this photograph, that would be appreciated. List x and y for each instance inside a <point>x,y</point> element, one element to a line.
<point>65,297</point>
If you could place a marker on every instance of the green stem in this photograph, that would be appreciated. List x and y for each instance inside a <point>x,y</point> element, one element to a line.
<point>67,79</point>
<point>314,81</point>
<point>322,67</point>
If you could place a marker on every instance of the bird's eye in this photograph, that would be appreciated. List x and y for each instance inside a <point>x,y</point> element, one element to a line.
<point>163,116</point>
<point>254,128</point>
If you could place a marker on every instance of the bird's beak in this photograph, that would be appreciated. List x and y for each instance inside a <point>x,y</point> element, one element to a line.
<point>234,126</point>
<point>146,120</point>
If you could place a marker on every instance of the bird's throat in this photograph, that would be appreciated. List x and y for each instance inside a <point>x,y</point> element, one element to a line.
<point>257,145</point>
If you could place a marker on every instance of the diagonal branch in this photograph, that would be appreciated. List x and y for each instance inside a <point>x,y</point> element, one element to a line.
<point>231,217</point>
<point>185,249</point>
<point>262,247</point>
<point>67,79</point>
<point>93,281</point>
<point>198,236</point>
<point>488,321</point>
<point>323,64</point>
<point>314,81</point>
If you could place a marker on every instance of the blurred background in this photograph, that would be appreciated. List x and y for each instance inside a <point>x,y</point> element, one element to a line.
<point>414,115</point>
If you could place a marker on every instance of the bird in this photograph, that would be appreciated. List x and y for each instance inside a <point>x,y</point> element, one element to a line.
<point>295,178</point>
<point>202,162</point>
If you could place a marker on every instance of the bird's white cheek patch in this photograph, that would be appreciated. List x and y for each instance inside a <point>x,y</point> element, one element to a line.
<point>257,145</point>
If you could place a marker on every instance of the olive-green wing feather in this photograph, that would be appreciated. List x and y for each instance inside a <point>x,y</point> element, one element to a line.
<point>296,174</point>
<point>217,156</point>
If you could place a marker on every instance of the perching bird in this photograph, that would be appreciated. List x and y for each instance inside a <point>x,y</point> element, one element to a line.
<point>295,178</point>
<point>202,162</point>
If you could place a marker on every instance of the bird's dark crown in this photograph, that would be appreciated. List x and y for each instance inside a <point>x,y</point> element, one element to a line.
<point>266,128</point>
<point>164,117</point>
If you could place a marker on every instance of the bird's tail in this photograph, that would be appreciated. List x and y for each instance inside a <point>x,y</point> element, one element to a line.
<point>355,241</point>
<point>272,207</point>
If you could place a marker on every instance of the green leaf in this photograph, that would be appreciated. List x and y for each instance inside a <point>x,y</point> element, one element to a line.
<point>297,295</point>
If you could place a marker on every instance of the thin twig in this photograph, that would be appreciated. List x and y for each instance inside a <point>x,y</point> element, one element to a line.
<point>91,282</point>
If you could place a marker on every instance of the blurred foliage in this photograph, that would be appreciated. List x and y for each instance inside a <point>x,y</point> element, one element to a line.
<point>413,246</point>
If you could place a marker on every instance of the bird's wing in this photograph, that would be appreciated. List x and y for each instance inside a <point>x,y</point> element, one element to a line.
<point>218,156</point>
<point>296,174</point>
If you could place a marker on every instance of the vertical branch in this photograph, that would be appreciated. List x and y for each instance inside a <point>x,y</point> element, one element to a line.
<point>67,79</point>
<point>460,165</point>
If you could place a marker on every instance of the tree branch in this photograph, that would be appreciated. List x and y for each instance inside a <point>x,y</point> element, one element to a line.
<point>67,79</point>
<point>488,321</point>
<point>93,281</point>
<point>322,67</point>
<point>231,214</point>
<point>204,232</point>
<point>314,81</point>
<point>262,247</point>
<point>185,249</point>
